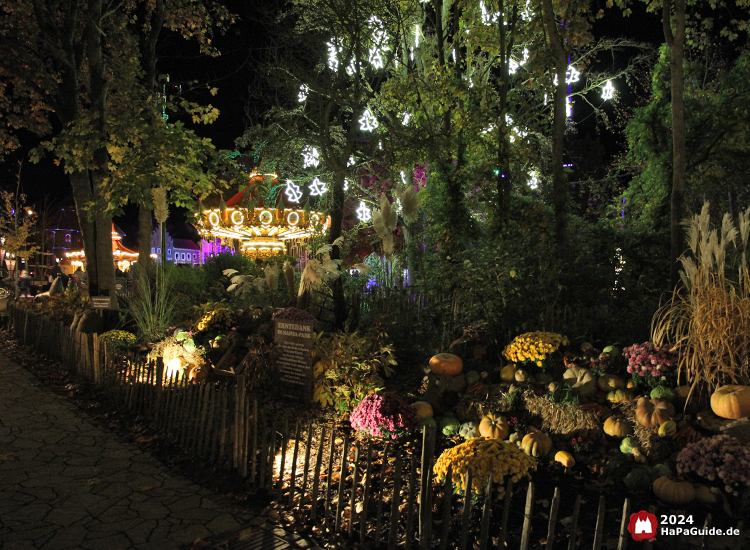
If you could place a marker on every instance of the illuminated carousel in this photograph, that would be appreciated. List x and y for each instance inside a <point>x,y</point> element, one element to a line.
<point>259,230</point>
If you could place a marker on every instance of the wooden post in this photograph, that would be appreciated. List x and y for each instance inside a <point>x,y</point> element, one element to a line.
<point>366,492</point>
<point>506,513</point>
<point>574,524</point>
<point>221,457</point>
<point>159,388</point>
<point>526,533</point>
<point>282,465</point>
<point>97,363</point>
<point>293,470</point>
<point>353,498</point>
<point>379,517</point>
<point>484,532</point>
<point>649,544</point>
<point>329,479</point>
<point>553,519</point>
<point>624,535</point>
<point>410,501</point>
<point>425,509</point>
<point>466,515</point>
<point>395,501</point>
<point>447,507</point>
<point>343,471</point>
<point>254,447</point>
<point>272,453</point>
<point>316,478</point>
<point>306,468</point>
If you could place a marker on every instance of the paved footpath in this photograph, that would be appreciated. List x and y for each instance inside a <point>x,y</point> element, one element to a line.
<point>66,484</point>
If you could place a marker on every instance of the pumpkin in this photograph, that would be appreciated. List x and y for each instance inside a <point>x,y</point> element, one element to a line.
<point>617,427</point>
<point>468,430</point>
<point>630,385</point>
<point>536,444</point>
<point>446,363</point>
<point>652,413</point>
<point>582,380</point>
<point>521,375</point>
<point>619,396</point>
<point>663,392</point>
<point>423,409</point>
<point>472,377</point>
<point>674,492</point>
<point>609,382</point>
<point>628,445</point>
<point>613,351</point>
<point>449,425</point>
<point>565,458</point>
<point>731,402</point>
<point>704,495</point>
<point>508,373</point>
<point>682,392</point>
<point>668,429</point>
<point>198,373</point>
<point>494,426</point>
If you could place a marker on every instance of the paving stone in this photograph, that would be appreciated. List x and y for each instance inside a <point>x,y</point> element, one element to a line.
<point>113,542</point>
<point>68,537</point>
<point>223,523</point>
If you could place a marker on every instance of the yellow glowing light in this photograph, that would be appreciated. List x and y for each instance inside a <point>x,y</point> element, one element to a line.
<point>213,219</point>
<point>237,217</point>
<point>292,218</point>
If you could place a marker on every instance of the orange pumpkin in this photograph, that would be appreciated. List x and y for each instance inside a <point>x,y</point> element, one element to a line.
<point>617,427</point>
<point>494,426</point>
<point>731,402</point>
<point>652,413</point>
<point>508,373</point>
<point>198,373</point>
<point>610,382</point>
<point>446,363</point>
<point>674,492</point>
<point>565,458</point>
<point>619,396</point>
<point>536,444</point>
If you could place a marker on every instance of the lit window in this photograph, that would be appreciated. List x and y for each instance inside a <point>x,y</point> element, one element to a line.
<point>169,252</point>
<point>158,250</point>
<point>195,257</point>
<point>183,256</point>
<point>67,237</point>
<point>153,251</point>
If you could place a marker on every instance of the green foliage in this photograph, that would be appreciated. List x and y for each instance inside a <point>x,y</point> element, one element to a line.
<point>564,395</point>
<point>16,227</point>
<point>350,367</point>
<point>153,304</point>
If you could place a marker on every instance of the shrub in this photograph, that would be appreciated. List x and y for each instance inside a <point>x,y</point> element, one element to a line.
<point>384,415</point>
<point>119,339</point>
<point>718,459</point>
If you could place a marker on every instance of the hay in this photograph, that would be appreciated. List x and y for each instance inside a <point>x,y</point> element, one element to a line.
<point>654,447</point>
<point>564,420</point>
<point>495,399</point>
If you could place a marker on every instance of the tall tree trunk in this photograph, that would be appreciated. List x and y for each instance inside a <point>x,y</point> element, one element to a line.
<point>676,43</point>
<point>559,190</point>
<point>337,220</point>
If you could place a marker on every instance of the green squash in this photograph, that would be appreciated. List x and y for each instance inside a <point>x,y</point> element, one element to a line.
<point>449,425</point>
<point>472,377</point>
<point>628,444</point>
<point>469,430</point>
<point>638,479</point>
<point>181,335</point>
<point>663,392</point>
<point>660,470</point>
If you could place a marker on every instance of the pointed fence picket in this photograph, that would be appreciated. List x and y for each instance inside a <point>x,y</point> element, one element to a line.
<point>376,494</point>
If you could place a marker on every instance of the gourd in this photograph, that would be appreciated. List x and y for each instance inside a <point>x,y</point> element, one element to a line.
<point>494,426</point>
<point>508,373</point>
<point>609,382</point>
<point>619,396</point>
<point>565,458</point>
<point>449,425</point>
<point>731,402</point>
<point>668,429</point>
<point>472,377</point>
<point>446,363</point>
<point>637,479</point>
<point>536,444</point>
<point>617,427</point>
<point>582,380</point>
<point>674,492</point>
<point>521,375</point>
<point>660,470</point>
<point>423,409</point>
<point>628,445</point>
<point>468,430</point>
<point>704,495</point>
<point>663,392</point>
<point>652,413</point>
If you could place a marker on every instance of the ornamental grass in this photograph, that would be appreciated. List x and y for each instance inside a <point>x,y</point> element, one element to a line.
<point>484,456</point>
<point>707,319</point>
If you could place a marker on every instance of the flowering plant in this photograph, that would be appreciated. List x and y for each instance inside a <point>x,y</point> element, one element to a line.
<point>650,364</point>
<point>534,347</point>
<point>719,458</point>
<point>581,445</point>
<point>119,339</point>
<point>602,364</point>
<point>384,415</point>
<point>483,456</point>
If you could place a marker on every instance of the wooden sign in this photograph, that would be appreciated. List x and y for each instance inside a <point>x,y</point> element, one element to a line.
<point>294,341</point>
<point>100,302</point>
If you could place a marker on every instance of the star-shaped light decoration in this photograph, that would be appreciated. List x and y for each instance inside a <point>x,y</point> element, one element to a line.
<point>333,52</point>
<point>406,119</point>
<point>608,91</point>
<point>346,185</point>
<point>350,162</point>
<point>310,157</point>
<point>317,187</point>
<point>351,70</point>
<point>572,75</point>
<point>368,123</point>
<point>293,192</point>
<point>302,95</point>
<point>533,181</point>
<point>363,213</point>
<point>403,177</point>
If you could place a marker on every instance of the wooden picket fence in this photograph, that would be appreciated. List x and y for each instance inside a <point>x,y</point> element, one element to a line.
<point>383,495</point>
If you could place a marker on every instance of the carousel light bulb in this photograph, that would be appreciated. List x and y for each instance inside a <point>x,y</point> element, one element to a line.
<point>317,187</point>
<point>293,191</point>
<point>368,123</point>
<point>364,213</point>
